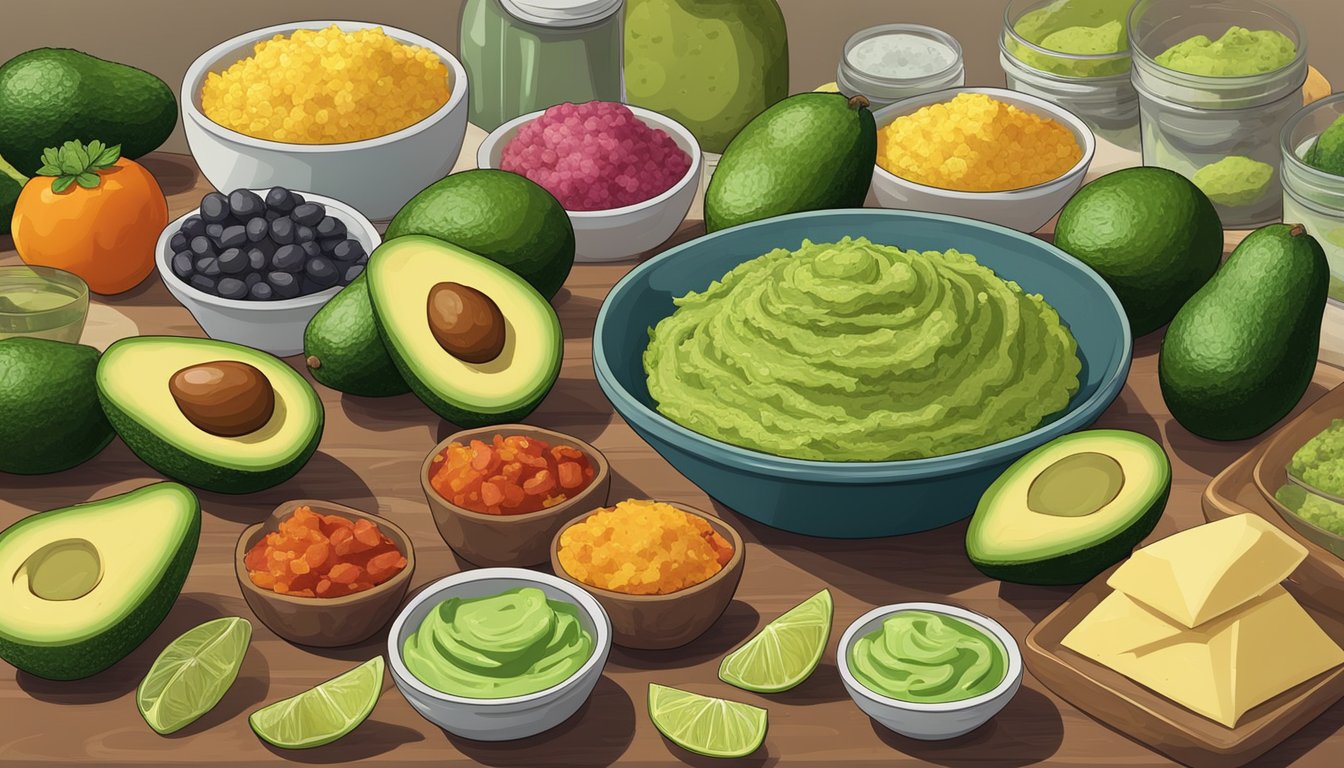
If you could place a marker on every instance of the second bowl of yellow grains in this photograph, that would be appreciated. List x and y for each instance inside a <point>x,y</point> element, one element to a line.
<point>664,572</point>
<point>364,113</point>
<point>989,154</point>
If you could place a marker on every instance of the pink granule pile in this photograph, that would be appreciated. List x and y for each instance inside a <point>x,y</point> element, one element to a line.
<point>596,156</point>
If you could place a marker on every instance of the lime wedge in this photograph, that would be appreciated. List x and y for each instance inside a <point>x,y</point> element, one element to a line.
<point>323,714</point>
<point>705,725</point>
<point>193,673</point>
<point>784,653</point>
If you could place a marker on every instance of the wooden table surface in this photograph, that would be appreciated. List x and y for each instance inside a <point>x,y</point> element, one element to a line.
<point>369,457</point>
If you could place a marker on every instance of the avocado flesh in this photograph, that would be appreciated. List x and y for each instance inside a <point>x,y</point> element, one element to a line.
<point>402,272</point>
<point>1241,352</point>
<point>1070,509</point>
<point>52,95</point>
<point>50,419</point>
<point>343,349</point>
<point>82,586</point>
<point>133,378</point>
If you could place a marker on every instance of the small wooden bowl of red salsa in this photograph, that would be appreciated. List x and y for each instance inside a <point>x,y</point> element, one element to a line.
<point>500,494</point>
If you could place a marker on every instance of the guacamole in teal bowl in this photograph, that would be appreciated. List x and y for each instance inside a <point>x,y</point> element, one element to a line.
<point>858,373</point>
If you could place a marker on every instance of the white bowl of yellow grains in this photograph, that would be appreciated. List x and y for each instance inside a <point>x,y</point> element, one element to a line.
<point>364,113</point>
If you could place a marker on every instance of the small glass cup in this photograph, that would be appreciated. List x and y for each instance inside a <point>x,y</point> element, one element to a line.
<point>882,90</point>
<point>42,302</point>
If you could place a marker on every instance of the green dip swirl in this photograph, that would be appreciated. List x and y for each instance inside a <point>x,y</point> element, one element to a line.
<point>855,351</point>
<point>511,644</point>
<point>928,658</point>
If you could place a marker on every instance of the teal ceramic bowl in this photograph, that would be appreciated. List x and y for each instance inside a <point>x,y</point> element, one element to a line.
<point>854,499</point>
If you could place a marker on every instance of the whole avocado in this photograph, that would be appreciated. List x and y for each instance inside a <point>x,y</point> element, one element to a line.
<point>11,184</point>
<point>1240,354</point>
<point>52,95</point>
<point>1150,233</point>
<point>50,419</point>
<point>809,152</point>
<point>343,348</point>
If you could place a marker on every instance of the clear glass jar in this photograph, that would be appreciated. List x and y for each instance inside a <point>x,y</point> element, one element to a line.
<point>526,55</point>
<point>1311,197</point>
<point>1190,122</point>
<point>1095,87</point>
<point>856,76</point>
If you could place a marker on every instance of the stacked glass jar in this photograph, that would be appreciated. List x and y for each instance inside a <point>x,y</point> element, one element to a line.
<point>1219,129</point>
<point>891,62</point>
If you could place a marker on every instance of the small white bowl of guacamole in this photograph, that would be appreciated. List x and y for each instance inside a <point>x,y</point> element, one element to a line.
<point>498,654</point>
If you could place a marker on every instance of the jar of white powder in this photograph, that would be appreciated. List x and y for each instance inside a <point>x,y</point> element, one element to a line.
<point>891,62</point>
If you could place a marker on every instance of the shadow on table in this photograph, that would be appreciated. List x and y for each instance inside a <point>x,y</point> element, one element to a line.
<point>1213,456</point>
<point>1311,736</point>
<point>324,477</point>
<point>175,173</point>
<point>370,739</point>
<point>597,735</point>
<point>578,314</point>
<point>761,758</point>
<point>1035,735</point>
<point>1035,602</point>
<point>385,414</point>
<point>1126,412</point>
<point>737,622</point>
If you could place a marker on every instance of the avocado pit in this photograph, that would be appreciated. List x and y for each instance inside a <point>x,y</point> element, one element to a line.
<point>225,398</point>
<point>467,323</point>
<point>1076,486</point>
<point>66,569</point>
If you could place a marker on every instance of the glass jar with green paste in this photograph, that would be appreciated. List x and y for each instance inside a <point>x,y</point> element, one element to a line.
<point>1074,53</point>
<point>522,56</point>
<point>1217,81</point>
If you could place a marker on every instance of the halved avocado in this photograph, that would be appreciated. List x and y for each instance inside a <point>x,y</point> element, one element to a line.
<point>82,586</point>
<point>133,386</point>
<point>467,386</point>
<point>1070,509</point>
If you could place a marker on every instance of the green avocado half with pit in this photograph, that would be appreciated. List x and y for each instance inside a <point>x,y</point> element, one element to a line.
<point>84,585</point>
<point>1070,509</point>
<point>475,342</point>
<point>135,386</point>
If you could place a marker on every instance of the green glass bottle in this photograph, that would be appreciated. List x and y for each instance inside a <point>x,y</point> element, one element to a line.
<point>712,65</point>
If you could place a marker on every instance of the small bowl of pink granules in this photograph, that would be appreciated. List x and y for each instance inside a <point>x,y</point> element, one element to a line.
<point>627,176</point>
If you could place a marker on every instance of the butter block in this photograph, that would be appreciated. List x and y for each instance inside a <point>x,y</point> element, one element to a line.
<point>1220,670</point>
<point>1204,572</point>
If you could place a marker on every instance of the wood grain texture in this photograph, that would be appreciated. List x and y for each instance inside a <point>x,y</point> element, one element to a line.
<point>369,458</point>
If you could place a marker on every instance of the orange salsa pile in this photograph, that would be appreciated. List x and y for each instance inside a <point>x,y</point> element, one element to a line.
<point>313,555</point>
<point>511,475</point>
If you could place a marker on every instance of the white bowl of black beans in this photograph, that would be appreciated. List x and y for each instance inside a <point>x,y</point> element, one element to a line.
<point>254,265</point>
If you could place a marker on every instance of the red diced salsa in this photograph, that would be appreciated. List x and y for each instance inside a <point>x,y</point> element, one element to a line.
<point>510,475</point>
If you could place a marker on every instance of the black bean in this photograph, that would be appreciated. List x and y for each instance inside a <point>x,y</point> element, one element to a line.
<point>308,214</point>
<point>256,259</point>
<point>351,272</point>
<point>208,266</point>
<point>252,278</point>
<point>330,226</point>
<point>285,285</point>
<point>308,285</point>
<point>288,258</point>
<point>201,246</point>
<point>214,207</point>
<point>257,228</point>
<point>244,204</point>
<point>272,215</point>
<point>282,231</point>
<point>348,250</point>
<point>233,236</point>
<point>311,249</point>
<point>232,288</point>
<point>232,262</point>
<point>203,283</point>
<point>280,199</point>
<point>183,265</point>
<point>304,234</point>
<point>193,225</point>
<point>322,272</point>
<point>178,242</point>
<point>260,292</point>
<point>329,243</point>
<point>297,198</point>
<point>362,260</point>
<point>214,232</point>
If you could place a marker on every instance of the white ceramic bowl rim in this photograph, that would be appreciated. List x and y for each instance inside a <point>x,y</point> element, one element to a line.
<point>345,213</point>
<point>434,591</point>
<point>650,118</point>
<point>191,85</point>
<point>1011,673</point>
<point>1081,132</point>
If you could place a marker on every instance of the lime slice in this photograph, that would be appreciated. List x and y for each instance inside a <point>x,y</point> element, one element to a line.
<point>784,653</point>
<point>705,725</point>
<point>323,714</point>
<point>193,673</point>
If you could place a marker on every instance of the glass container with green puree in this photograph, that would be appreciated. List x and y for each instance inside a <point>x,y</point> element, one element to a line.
<point>514,643</point>
<point>42,302</point>
<point>526,55</point>
<point>1074,53</point>
<point>1217,81</point>
<point>926,657</point>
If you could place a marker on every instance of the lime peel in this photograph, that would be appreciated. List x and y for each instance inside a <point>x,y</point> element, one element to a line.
<point>322,714</point>
<point>193,673</point>
<point>706,725</point>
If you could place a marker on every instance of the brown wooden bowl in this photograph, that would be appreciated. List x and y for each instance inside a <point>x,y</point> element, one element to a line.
<point>1271,471</point>
<point>659,622</point>
<point>325,622</point>
<point>512,540</point>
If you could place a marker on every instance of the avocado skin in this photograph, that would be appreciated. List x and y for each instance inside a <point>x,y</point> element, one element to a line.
<point>1150,233</point>
<point>11,184</point>
<point>97,653</point>
<point>1240,354</point>
<point>344,340</point>
<point>52,95</point>
<point>49,415</point>
<point>809,152</point>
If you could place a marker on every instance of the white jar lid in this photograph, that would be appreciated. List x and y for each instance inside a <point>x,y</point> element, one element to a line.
<point>561,13</point>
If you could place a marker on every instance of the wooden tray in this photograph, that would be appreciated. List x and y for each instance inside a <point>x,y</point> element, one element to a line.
<point>1237,489</point>
<point>1158,723</point>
